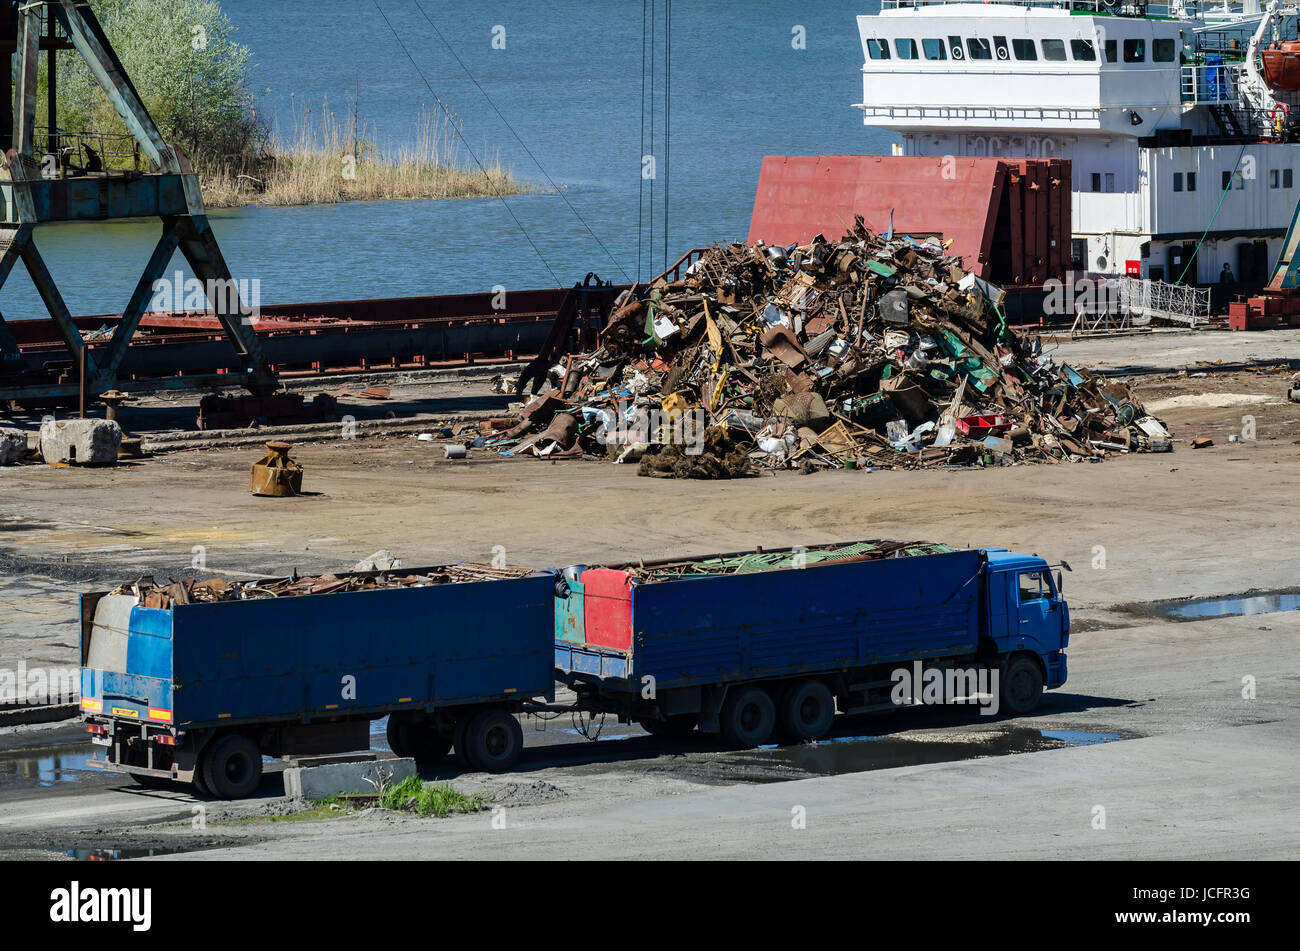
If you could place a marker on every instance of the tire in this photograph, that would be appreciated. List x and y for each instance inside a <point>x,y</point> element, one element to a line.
<point>201,789</point>
<point>807,710</point>
<point>458,741</point>
<point>676,727</point>
<point>1021,685</point>
<point>232,768</point>
<point>493,741</point>
<point>420,741</point>
<point>748,717</point>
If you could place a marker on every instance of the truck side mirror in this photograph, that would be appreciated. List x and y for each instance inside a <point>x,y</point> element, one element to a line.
<point>1060,586</point>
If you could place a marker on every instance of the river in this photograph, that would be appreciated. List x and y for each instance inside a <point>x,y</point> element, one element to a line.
<point>569,82</point>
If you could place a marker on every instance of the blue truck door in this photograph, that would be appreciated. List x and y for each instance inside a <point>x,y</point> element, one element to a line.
<point>1037,624</point>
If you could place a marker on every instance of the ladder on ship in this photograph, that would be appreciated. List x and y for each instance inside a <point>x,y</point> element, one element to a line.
<point>1225,117</point>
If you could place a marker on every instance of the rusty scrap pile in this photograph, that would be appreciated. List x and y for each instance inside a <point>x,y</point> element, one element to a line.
<point>864,351</point>
<point>188,591</point>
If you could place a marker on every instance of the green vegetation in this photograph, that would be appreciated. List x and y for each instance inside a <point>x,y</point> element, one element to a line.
<point>436,799</point>
<point>193,76</point>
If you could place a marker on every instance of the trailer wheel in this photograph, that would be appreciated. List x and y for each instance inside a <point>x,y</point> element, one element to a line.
<point>676,727</point>
<point>748,717</point>
<point>493,741</point>
<point>419,741</point>
<point>232,767</point>
<point>1022,685</point>
<point>807,710</point>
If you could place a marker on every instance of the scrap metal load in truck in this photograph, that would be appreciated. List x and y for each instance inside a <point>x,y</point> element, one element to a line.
<point>762,643</point>
<point>196,682</point>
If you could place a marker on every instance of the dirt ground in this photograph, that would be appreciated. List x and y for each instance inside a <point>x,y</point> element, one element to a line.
<point>1136,529</point>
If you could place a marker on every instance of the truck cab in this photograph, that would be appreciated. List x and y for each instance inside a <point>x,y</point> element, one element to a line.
<point>1026,611</point>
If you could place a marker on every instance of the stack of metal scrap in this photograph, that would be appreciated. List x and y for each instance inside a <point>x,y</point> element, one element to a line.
<point>860,352</point>
<point>188,591</point>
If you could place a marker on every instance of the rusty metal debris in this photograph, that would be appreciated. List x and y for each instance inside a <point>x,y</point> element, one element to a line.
<point>275,474</point>
<point>188,591</point>
<point>862,352</point>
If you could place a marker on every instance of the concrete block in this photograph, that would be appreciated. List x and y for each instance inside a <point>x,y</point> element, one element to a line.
<point>83,442</point>
<point>13,446</point>
<point>333,779</point>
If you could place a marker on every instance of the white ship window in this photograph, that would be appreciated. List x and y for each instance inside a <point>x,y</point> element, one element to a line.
<point>1083,50</point>
<point>1054,51</point>
<point>1024,49</point>
<point>1279,178</point>
<point>878,49</point>
<point>1000,47</point>
<point>934,49</point>
<point>1135,51</point>
<point>1112,51</point>
<point>1232,178</point>
<point>1162,50</point>
<point>954,47</point>
<point>1178,181</point>
<point>979,49</point>
<point>905,48</point>
<point>1191,181</point>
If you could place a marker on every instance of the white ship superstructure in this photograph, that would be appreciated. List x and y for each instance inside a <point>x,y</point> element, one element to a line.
<point>1172,132</point>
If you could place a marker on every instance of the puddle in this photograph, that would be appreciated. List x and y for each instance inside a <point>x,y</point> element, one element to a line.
<point>134,852</point>
<point>1266,602</point>
<point>859,754</point>
<point>44,767</point>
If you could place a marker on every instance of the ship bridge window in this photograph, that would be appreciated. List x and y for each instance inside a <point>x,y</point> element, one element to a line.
<point>1162,51</point>
<point>1135,51</point>
<point>979,49</point>
<point>1178,181</point>
<point>1000,47</point>
<point>1279,178</point>
<point>934,49</point>
<point>1024,49</point>
<point>1191,181</point>
<point>1083,50</point>
<point>905,48</point>
<point>1054,51</point>
<point>878,49</point>
<point>1112,51</point>
<point>1232,179</point>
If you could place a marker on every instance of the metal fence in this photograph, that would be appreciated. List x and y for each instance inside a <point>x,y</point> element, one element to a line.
<point>1178,303</point>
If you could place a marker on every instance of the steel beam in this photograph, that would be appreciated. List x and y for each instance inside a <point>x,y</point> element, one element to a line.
<point>29,55</point>
<point>144,290</point>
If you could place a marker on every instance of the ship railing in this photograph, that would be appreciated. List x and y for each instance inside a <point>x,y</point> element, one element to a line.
<point>1156,300</point>
<point>1135,8</point>
<point>1212,84</point>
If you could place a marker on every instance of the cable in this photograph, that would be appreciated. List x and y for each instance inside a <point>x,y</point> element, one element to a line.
<point>1236,165</point>
<point>539,165</point>
<point>464,142</point>
<point>655,167</point>
<point>640,195</point>
<point>668,112</point>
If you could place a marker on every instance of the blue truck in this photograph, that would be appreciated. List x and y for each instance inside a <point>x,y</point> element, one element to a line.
<point>199,692</point>
<point>754,644</point>
<point>748,644</point>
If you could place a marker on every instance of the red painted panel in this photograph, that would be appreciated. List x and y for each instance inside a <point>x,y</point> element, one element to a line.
<point>801,196</point>
<point>607,608</point>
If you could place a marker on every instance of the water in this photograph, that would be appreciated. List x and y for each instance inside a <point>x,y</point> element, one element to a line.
<point>569,82</point>
<point>1233,606</point>
<point>44,768</point>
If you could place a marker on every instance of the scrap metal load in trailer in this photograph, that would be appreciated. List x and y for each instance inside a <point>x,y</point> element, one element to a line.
<point>196,682</point>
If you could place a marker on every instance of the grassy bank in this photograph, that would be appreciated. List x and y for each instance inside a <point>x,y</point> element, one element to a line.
<point>327,160</point>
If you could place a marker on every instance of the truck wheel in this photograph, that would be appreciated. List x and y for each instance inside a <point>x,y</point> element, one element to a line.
<point>1022,685</point>
<point>493,741</point>
<point>419,741</point>
<point>748,717</point>
<point>232,767</point>
<point>459,742</point>
<point>807,710</point>
<point>676,727</point>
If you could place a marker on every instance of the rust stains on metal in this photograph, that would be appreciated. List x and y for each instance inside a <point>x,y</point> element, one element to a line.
<point>275,474</point>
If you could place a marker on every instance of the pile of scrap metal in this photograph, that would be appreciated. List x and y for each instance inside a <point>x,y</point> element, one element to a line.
<point>188,591</point>
<point>862,352</point>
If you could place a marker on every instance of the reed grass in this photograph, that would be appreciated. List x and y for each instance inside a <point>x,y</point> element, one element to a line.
<point>327,159</point>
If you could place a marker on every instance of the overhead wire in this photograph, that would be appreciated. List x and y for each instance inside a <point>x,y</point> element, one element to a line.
<point>524,145</point>
<point>459,134</point>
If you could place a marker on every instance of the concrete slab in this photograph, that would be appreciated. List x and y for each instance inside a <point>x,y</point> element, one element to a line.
<point>13,446</point>
<point>83,442</point>
<point>327,779</point>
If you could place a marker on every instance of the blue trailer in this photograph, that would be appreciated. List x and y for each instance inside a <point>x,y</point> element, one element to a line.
<point>200,692</point>
<point>752,644</point>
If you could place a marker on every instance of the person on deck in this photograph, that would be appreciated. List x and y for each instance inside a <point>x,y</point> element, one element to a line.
<point>1225,276</point>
